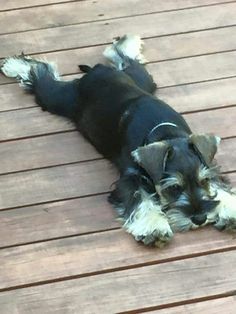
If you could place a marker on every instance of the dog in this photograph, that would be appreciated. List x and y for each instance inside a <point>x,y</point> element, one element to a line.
<point>169,181</point>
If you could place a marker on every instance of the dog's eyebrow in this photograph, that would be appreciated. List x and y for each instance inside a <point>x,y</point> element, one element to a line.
<point>207,173</point>
<point>171,180</point>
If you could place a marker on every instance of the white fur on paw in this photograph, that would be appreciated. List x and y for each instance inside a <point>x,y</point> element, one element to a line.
<point>224,215</point>
<point>149,225</point>
<point>132,47</point>
<point>129,45</point>
<point>16,67</point>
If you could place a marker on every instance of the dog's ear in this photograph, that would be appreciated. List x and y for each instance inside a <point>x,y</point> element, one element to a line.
<point>152,158</point>
<point>206,145</point>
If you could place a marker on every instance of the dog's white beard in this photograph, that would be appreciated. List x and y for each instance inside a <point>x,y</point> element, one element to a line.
<point>148,223</point>
<point>224,214</point>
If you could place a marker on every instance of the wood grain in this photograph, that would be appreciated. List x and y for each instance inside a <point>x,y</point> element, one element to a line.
<point>57,226</point>
<point>218,306</point>
<point>191,70</point>
<point>127,290</point>
<point>31,122</point>
<point>56,219</point>
<point>57,183</point>
<point>219,122</point>
<point>68,217</point>
<point>16,4</point>
<point>185,98</point>
<point>22,189</point>
<point>168,73</point>
<point>156,49</point>
<point>63,14</point>
<point>45,151</point>
<point>96,33</point>
<point>98,252</point>
<point>59,149</point>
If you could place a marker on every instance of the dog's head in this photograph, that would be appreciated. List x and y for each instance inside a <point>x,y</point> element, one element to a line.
<point>182,172</point>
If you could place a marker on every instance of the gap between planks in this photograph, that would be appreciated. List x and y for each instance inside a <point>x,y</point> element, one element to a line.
<point>63,37</point>
<point>204,277</point>
<point>88,12</point>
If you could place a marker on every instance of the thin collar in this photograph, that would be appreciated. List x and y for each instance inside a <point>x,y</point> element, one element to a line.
<point>160,125</point>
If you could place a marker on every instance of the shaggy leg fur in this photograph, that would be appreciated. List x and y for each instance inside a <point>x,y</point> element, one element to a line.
<point>43,80</point>
<point>224,215</point>
<point>148,223</point>
<point>126,54</point>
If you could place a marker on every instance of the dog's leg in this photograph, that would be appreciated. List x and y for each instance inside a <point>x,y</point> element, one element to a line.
<point>141,213</point>
<point>43,80</point>
<point>224,214</point>
<point>125,54</point>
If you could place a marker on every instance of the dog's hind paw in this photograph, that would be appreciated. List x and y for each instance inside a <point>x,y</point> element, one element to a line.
<point>130,46</point>
<point>16,67</point>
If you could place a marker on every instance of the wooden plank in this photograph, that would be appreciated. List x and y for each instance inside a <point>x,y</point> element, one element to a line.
<point>157,285</point>
<point>169,73</point>
<point>156,49</point>
<point>31,122</point>
<point>98,252</point>
<point>192,70</point>
<point>61,14</point>
<point>185,98</point>
<point>57,183</point>
<point>218,306</point>
<point>49,184</point>
<point>167,5</point>
<point>45,151</point>
<point>199,96</point>
<point>223,155</point>
<point>213,121</point>
<point>59,149</point>
<point>57,219</point>
<point>15,4</point>
<point>101,32</point>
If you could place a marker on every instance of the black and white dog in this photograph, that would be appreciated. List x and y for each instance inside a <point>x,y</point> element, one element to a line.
<point>168,181</point>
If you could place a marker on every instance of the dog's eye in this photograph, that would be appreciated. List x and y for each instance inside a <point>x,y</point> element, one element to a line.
<point>174,190</point>
<point>205,181</point>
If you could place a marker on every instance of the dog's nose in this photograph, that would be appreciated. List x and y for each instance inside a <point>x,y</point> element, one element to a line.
<point>199,219</point>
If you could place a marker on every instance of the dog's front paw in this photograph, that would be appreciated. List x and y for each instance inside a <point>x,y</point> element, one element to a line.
<point>156,238</point>
<point>226,224</point>
<point>225,212</point>
<point>149,225</point>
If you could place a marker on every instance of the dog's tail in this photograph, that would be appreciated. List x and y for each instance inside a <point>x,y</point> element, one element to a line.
<point>42,79</point>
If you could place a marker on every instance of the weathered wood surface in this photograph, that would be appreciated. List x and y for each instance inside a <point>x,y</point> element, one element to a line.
<point>82,35</point>
<point>86,11</point>
<point>56,226</point>
<point>28,154</point>
<point>132,289</point>
<point>33,122</point>
<point>95,253</point>
<point>218,306</point>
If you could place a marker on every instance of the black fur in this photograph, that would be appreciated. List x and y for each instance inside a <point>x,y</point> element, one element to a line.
<point>116,111</point>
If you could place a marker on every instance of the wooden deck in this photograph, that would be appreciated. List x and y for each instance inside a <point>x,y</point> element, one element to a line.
<point>61,249</point>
